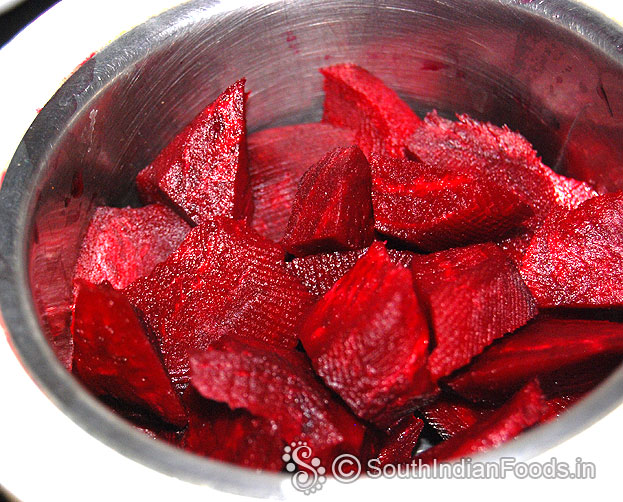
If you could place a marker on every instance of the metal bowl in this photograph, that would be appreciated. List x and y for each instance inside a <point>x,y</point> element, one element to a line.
<point>552,70</point>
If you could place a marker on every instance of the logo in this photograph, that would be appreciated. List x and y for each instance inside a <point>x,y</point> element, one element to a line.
<point>311,475</point>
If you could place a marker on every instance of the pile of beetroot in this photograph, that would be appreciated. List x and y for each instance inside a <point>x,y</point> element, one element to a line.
<point>349,283</point>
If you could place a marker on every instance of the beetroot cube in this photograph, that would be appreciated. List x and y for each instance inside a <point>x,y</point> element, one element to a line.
<point>203,172</point>
<point>576,258</point>
<point>434,208</point>
<point>525,409</point>
<point>113,354</point>
<point>234,436</point>
<point>357,100</point>
<point>223,278</point>
<point>278,385</point>
<point>368,339</point>
<point>449,416</point>
<point>277,159</point>
<point>539,348</point>
<point>462,290</point>
<point>333,207</point>
<point>398,448</point>
<point>471,147</point>
<point>122,245</point>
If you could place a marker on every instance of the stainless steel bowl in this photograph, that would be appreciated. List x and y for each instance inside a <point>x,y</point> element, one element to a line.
<point>552,70</point>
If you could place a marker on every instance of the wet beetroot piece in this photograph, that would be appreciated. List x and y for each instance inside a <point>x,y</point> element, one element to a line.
<point>368,339</point>
<point>462,290</point>
<point>235,436</point>
<point>113,355</point>
<point>525,409</point>
<point>541,348</point>
<point>122,245</point>
<point>278,158</point>
<point>203,172</point>
<point>435,208</point>
<point>319,272</point>
<point>278,385</point>
<point>332,210</point>
<point>576,258</point>
<point>505,157</point>
<point>449,415</point>
<point>399,446</point>
<point>357,100</point>
<point>223,278</point>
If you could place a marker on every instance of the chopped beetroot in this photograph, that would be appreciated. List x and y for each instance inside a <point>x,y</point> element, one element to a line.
<point>278,385</point>
<point>203,172</point>
<point>357,100</point>
<point>122,245</point>
<point>435,208</point>
<point>332,210</point>
<point>576,258</point>
<point>449,416</point>
<point>113,354</point>
<point>505,157</point>
<point>516,246</point>
<point>233,436</point>
<point>368,339</point>
<point>540,348</point>
<point>461,289</point>
<point>319,272</point>
<point>399,446</point>
<point>278,158</point>
<point>223,278</point>
<point>525,409</point>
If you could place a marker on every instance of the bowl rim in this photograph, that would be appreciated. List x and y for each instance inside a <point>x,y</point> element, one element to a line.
<point>33,350</point>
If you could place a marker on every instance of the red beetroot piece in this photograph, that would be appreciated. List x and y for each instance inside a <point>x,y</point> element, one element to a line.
<point>399,446</point>
<point>332,210</point>
<point>539,348</point>
<point>122,245</point>
<point>319,272</point>
<point>203,172</point>
<point>576,258</point>
<point>516,246</point>
<point>223,278</point>
<point>473,295</point>
<point>113,354</point>
<point>506,157</point>
<point>368,339</point>
<point>357,100</point>
<point>278,385</point>
<point>278,158</point>
<point>435,208</point>
<point>234,436</point>
<point>449,416</point>
<point>525,409</point>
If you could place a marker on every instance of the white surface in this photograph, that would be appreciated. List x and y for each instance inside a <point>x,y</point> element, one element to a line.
<point>43,455</point>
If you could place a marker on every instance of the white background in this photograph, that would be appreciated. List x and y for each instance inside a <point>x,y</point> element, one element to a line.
<point>46,457</point>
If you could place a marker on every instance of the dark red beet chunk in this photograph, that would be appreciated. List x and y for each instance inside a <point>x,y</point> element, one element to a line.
<point>449,416</point>
<point>223,278</point>
<point>332,210</point>
<point>113,355</point>
<point>576,258</point>
<point>357,100</point>
<point>122,245</point>
<point>235,436</point>
<point>278,158</point>
<point>368,339</point>
<point>540,348</point>
<point>398,448</point>
<point>203,172</point>
<point>278,385</point>
<point>435,208</point>
<point>525,409</point>
<point>505,157</point>
<point>473,296</point>
<point>319,272</point>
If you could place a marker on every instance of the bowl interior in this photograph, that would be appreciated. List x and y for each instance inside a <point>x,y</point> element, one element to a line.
<point>552,72</point>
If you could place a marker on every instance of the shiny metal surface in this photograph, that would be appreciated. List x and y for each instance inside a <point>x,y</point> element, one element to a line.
<point>552,70</point>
